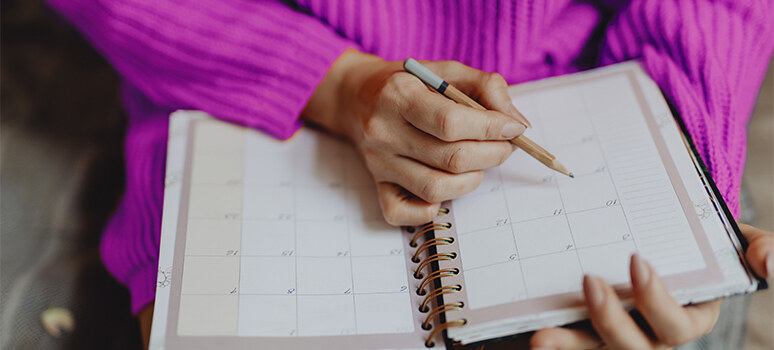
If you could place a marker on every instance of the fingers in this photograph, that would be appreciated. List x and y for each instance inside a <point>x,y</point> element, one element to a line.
<point>430,185</point>
<point>760,252</point>
<point>400,208</point>
<point>610,320</point>
<point>564,338</point>
<point>489,89</point>
<point>455,157</point>
<point>443,118</point>
<point>672,323</point>
<point>450,121</point>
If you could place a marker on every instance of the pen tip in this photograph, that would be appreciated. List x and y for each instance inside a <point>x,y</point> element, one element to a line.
<point>572,175</point>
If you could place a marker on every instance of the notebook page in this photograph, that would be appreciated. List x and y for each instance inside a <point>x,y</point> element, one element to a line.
<point>620,201</point>
<point>279,244</point>
<point>527,235</point>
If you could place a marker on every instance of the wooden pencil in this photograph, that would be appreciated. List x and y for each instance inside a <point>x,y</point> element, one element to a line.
<point>446,89</point>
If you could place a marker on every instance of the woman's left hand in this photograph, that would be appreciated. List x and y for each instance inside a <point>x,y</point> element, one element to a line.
<point>668,323</point>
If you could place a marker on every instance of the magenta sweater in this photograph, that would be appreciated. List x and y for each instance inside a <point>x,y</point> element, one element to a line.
<point>257,63</point>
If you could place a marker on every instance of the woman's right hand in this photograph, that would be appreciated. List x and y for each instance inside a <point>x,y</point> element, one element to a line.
<point>420,147</point>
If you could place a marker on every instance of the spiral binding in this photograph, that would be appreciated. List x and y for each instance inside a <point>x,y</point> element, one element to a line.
<point>428,244</point>
<point>427,228</point>
<point>432,277</point>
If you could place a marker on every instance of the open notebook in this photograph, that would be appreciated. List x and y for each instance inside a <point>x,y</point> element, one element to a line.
<point>282,244</point>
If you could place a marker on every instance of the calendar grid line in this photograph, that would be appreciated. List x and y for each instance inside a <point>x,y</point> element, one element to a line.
<point>296,331</point>
<point>290,257</point>
<point>569,226</point>
<point>564,210</point>
<point>513,234</point>
<point>546,254</point>
<point>531,219</point>
<point>239,264</point>
<point>602,152</point>
<point>294,295</point>
<point>349,247</point>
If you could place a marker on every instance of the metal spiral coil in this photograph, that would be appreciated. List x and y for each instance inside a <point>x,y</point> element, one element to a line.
<point>432,278</point>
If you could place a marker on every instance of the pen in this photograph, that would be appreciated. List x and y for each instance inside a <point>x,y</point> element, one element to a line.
<point>446,89</point>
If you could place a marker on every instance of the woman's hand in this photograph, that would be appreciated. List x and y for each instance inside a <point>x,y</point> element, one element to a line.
<point>420,147</point>
<point>667,323</point>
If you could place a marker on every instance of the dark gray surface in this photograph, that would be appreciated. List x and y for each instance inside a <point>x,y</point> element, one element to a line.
<point>62,172</point>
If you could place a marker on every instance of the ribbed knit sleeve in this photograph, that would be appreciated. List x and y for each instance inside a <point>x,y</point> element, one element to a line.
<point>709,58</point>
<point>255,63</point>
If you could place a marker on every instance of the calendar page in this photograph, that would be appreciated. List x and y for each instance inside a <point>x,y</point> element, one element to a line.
<point>274,244</point>
<point>527,235</point>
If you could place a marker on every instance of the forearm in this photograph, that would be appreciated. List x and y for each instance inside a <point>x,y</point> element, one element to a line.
<point>254,63</point>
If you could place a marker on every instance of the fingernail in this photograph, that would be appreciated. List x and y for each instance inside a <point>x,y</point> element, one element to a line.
<point>511,130</point>
<point>770,265</point>
<point>640,271</point>
<point>592,287</point>
<point>515,112</point>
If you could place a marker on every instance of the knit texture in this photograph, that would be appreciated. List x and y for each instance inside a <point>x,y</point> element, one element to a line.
<point>256,63</point>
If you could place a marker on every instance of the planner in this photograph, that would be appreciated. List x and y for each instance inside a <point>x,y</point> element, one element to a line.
<point>282,244</point>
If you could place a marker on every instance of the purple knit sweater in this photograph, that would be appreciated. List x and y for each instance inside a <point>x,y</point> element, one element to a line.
<point>257,63</point>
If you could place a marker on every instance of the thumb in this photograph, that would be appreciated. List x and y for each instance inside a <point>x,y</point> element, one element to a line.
<point>760,252</point>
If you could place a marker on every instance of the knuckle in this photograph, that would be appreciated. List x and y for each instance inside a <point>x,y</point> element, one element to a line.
<point>491,128</point>
<point>496,81</point>
<point>398,86</point>
<point>375,131</point>
<point>391,215</point>
<point>432,189</point>
<point>390,210</point>
<point>395,79</point>
<point>459,160</point>
<point>444,123</point>
<point>453,64</point>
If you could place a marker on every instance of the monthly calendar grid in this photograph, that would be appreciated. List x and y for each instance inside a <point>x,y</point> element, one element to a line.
<point>568,239</point>
<point>289,206</point>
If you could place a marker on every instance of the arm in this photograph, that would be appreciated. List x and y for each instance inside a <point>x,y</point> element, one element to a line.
<point>709,58</point>
<point>261,64</point>
<point>255,63</point>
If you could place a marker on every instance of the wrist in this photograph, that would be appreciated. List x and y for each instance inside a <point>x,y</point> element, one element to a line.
<point>336,99</point>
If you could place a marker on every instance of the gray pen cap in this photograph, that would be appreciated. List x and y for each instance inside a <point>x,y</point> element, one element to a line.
<point>424,74</point>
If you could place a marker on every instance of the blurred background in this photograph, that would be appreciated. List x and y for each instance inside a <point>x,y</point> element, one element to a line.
<point>61,174</point>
